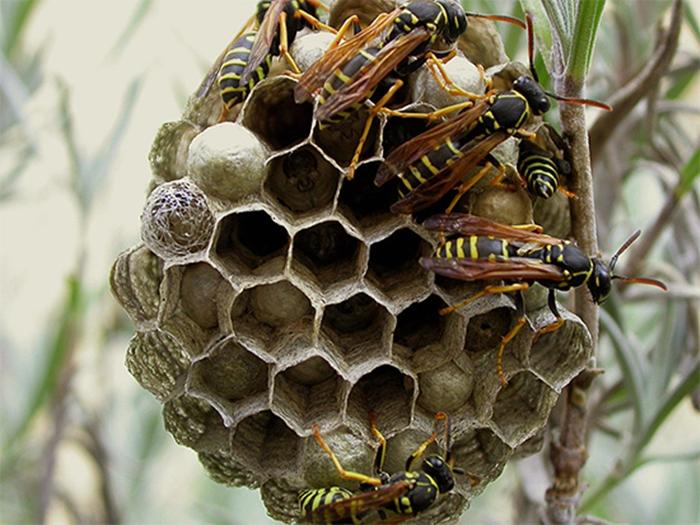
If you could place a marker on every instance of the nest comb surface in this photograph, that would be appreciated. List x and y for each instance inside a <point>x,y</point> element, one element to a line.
<point>271,293</point>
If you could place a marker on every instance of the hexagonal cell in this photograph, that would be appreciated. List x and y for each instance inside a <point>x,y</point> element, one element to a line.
<point>302,181</point>
<point>522,407</point>
<point>481,453</point>
<point>251,243</point>
<point>399,130</point>
<point>387,392</point>
<point>230,373</point>
<point>365,204</point>
<point>393,264</point>
<point>264,443</point>
<point>447,388</point>
<point>271,314</point>
<point>199,290</point>
<point>310,392</point>
<point>340,140</point>
<point>358,328</point>
<point>485,331</point>
<point>327,255</point>
<point>272,113</point>
<point>402,445</point>
<point>188,419</point>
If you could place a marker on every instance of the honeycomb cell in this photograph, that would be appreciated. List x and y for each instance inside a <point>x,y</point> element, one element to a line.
<point>302,182</point>
<point>266,445</point>
<point>169,150</point>
<point>199,290</point>
<point>188,419</point>
<point>222,467</point>
<point>271,113</point>
<point>402,445</point>
<point>400,130</point>
<point>358,328</point>
<point>135,280</point>
<point>326,255</point>
<point>230,373</point>
<point>447,388</point>
<point>251,243</point>
<point>366,205</point>
<point>485,331</point>
<point>522,407</point>
<point>309,392</point>
<point>389,393</point>
<point>393,265</point>
<point>339,141</point>
<point>270,314</point>
<point>481,453</point>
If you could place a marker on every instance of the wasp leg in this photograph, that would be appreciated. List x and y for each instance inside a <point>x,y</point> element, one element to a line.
<point>498,179</point>
<point>554,326</point>
<point>368,125</point>
<point>528,135</point>
<point>567,193</point>
<point>466,186</point>
<point>520,307</point>
<point>437,69</point>
<point>380,457</point>
<point>433,115</point>
<point>536,228</point>
<point>488,290</point>
<point>416,454</point>
<point>487,81</point>
<point>349,22</point>
<point>284,44</point>
<point>345,474</point>
<point>315,22</point>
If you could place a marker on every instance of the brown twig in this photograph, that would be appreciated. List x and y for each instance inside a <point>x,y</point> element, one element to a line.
<point>628,96</point>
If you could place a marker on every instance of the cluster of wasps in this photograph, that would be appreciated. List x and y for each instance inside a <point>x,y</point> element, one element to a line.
<point>371,64</point>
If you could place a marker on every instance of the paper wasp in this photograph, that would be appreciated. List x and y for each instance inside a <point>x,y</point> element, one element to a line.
<point>358,70</point>
<point>434,162</point>
<point>483,250</point>
<point>543,162</point>
<point>392,498</point>
<point>248,60</point>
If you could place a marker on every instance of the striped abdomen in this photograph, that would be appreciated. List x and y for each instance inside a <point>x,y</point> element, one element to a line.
<point>476,247</point>
<point>312,499</point>
<point>422,494</point>
<point>340,78</point>
<point>232,92</point>
<point>538,169</point>
<point>427,166</point>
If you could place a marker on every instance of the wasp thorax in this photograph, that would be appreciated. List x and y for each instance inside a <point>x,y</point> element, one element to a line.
<point>533,92</point>
<point>439,470</point>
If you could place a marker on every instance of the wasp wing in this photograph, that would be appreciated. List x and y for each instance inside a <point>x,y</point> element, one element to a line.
<point>465,224</point>
<point>411,151</point>
<point>265,37</point>
<point>356,506</point>
<point>388,58</point>
<point>314,77</point>
<point>513,269</point>
<point>437,187</point>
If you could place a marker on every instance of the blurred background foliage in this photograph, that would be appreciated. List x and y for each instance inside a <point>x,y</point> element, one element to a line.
<point>84,87</point>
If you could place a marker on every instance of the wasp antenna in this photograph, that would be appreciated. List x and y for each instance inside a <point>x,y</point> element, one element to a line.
<point>580,101</point>
<point>642,280</point>
<point>621,249</point>
<point>499,18</point>
<point>531,46</point>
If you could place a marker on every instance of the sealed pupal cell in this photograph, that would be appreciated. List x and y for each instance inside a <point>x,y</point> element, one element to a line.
<point>227,161</point>
<point>460,71</point>
<point>176,221</point>
<point>170,148</point>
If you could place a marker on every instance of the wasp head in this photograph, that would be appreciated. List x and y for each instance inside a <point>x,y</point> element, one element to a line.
<point>438,469</point>
<point>534,94</point>
<point>456,21</point>
<point>600,281</point>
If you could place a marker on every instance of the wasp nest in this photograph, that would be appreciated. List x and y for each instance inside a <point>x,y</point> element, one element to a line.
<point>271,294</point>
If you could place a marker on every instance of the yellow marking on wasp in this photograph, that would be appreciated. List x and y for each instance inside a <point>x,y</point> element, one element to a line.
<point>492,257</point>
<point>417,174</point>
<point>473,250</point>
<point>560,259</point>
<point>504,250</point>
<point>453,149</point>
<point>238,50</point>
<point>460,247</point>
<point>342,76</point>
<point>405,182</point>
<point>426,162</point>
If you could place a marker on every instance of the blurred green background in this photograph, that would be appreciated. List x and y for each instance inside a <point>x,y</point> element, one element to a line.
<point>84,86</point>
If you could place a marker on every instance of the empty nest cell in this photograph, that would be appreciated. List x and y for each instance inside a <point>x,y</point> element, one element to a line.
<point>268,315</point>
<point>302,181</point>
<point>273,115</point>
<point>393,264</point>
<point>485,331</point>
<point>363,203</point>
<point>339,141</point>
<point>522,407</point>
<point>389,393</point>
<point>309,392</point>
<point>357,329</point>
<point>251,243</point>
<point>326,255</point>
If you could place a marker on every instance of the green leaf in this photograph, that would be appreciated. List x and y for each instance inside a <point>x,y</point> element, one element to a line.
<point>15,16</point>
<point>691,20</point>
<point>584,37</point>
<point>544,36</point>
<point>681,84</point>
<point>689,173</point>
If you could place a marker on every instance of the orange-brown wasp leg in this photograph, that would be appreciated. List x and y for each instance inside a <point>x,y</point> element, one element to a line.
<point>315,22</point>
<point>284,45</point>
<point>433,115</point>
<point>488,290</point>
<point>556,324</point>
<point>437,69</point>
<point>528,135</point>
<point>567,193</point>
<point>466,186</point>
<point>381,451</point>
<point>354,19</point>
<point>368,125</point>
<point>416,454</point>
<point>345,474</point>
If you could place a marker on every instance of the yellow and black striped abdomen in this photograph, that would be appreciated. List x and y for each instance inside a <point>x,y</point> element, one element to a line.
<point>232,92</point>
<point>427,166</point>
<point>423,493</point>
<point>311,500</point>
<point>476,247</point>
<point>540,172</point>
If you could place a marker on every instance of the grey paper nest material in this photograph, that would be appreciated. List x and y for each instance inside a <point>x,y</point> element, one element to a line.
<point>269,296</point>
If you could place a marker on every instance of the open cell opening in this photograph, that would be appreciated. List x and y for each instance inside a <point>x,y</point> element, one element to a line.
<point>273,115</point>
<point>421,324</point>
<point>339,141</point>
<point>302,181</point>
<point>387,392</point>
<point>556,356</point>
<point>269,313</point>
<point>393,263</point>
<point>357,327</point>
<point>266,444</point>
<point>485,331</point>
<point>522,407</point>
<point>363,202</point>
<point>398,131</point>
<point>308,393</point>
<point>251,243</point>
<point>481,453</point>
<point>326,254</point>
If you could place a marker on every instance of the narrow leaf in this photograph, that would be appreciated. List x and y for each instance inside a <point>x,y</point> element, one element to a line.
<point>690,172</point>
<point>583,41</point>
<point>691,19</point>
<point>16,15</point>
<point>544,35</point>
